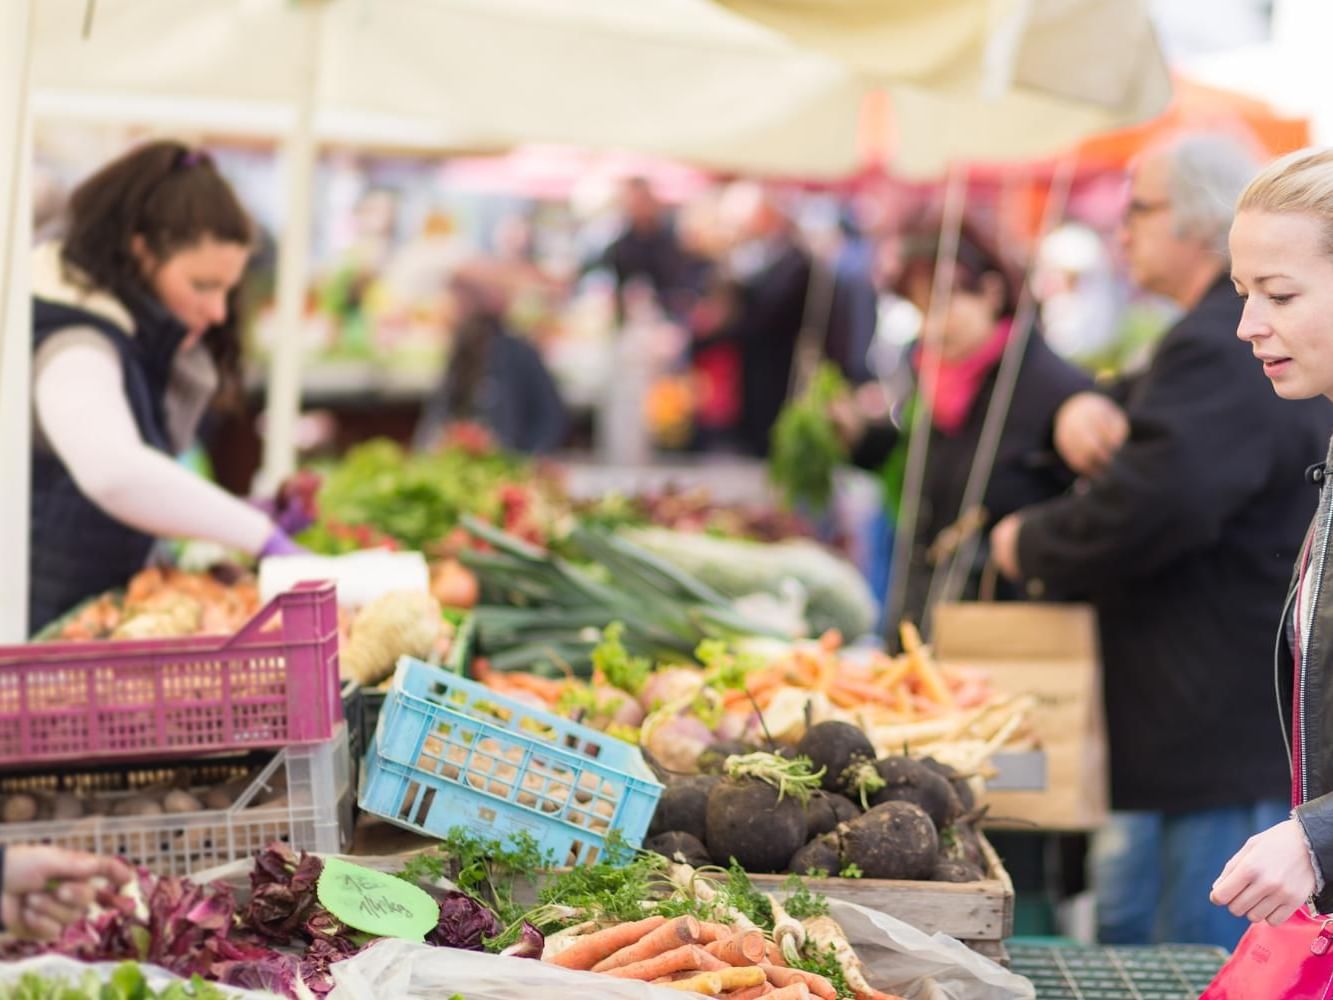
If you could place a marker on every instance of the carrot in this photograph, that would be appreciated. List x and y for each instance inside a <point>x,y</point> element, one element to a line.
<point>672,934</point>
<point>816,984</point>
<point>711,963</point>
<point>773,955</point>
<point>591,949</point>
<point>796,991</point>
<point>851,693</point>
<point>710,932</point>
<point>686,958</point>
<point>703,982</point>
<point>750,992</point>
<point>714,983</point>
<point>742,948</point>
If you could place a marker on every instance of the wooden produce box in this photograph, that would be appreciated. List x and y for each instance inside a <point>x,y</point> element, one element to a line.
<point>979,914</point>
<point>1049,651</point>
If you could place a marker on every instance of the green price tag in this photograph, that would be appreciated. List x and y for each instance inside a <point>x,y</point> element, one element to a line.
<point>376,903</point>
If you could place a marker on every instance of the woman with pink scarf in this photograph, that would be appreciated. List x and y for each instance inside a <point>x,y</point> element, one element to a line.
<point>974,327</point>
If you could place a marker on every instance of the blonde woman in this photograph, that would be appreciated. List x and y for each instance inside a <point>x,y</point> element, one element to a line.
<point>1282,267</point>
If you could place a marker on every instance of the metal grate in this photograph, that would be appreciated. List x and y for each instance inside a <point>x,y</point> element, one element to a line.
<point>1078,972</point>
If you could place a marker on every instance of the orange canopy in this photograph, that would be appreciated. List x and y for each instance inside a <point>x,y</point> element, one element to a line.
<point>1196,107</point>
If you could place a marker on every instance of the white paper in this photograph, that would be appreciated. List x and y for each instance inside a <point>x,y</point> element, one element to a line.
<point>360,576</point>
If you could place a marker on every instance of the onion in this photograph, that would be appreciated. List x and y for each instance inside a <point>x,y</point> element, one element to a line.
<point>734,725</point>
<point>627,711</point>
<point>674,684</point>
<point>677,742</point>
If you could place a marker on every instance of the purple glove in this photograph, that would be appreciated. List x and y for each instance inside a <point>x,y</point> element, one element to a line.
<point>295,506</point>
<point>279,544</point>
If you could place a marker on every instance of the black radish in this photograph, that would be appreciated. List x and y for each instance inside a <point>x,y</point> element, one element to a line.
<point>834,746</point>
<point>895,840</point>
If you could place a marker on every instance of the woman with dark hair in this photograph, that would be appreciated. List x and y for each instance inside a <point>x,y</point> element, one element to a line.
<point>975,325</point>
<point>134,335</point>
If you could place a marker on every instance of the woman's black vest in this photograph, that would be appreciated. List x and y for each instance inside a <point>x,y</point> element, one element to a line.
<point>77,551</point>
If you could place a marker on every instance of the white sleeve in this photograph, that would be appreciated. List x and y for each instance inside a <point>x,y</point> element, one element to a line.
<point>81,410</point>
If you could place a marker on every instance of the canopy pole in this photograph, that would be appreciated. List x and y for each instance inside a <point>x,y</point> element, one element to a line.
<point>997,413</point>
<point>283,407</point>
<point>904,532</point>
<point>16,28</point>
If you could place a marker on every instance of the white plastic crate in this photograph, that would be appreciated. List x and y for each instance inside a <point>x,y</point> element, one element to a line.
<point>302,796</point>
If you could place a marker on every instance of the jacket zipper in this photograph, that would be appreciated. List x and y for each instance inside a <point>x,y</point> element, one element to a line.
<point>1307,631</point>
<point>1280,664</point>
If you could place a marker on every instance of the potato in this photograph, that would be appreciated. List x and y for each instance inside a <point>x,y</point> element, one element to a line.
<point>218,798</point>
<point>19,808</point>
<point>66,806</point>
<point>137,805</point>
<point>178,801</point>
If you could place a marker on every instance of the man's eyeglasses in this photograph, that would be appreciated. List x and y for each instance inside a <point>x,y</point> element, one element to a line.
<point>1136,208</point>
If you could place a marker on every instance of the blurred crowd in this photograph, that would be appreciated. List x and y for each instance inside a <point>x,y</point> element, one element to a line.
<point>709,311</point>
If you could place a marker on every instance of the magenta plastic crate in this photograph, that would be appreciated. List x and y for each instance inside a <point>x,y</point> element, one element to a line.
<point>272,684</point>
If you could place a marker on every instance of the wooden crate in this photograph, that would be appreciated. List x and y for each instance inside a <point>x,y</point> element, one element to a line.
<point>980,914</point>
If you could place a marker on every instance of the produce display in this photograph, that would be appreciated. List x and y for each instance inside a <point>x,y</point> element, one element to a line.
<point>634,917</point>
<point>669,622</point>
<point>694,511</point>
<point>379,494</point>
<point>543,611</point>
<point>832,592</point>
<point>162,603</point>
<point>126,982</point>
<point>279,937</point>
<point>745,695</point>
<point>146,791</point>
<point>832,809</point>
<point>661,921</point>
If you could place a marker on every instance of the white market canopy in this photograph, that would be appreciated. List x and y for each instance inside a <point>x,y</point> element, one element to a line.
<point>770,86</point>
<point>766,86</point>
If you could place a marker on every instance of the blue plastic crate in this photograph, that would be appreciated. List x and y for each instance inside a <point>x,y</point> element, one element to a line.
<point>449,752</point>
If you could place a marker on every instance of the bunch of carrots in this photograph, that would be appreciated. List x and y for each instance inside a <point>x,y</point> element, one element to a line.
<point>693,956</point>
<point>908,687</point>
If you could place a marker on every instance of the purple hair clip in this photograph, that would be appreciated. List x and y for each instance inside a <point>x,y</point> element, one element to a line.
<point>191,158</point>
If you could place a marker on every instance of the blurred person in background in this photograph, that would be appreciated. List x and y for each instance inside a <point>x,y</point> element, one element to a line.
<point>646,248</point>
<point>1182,534</point>
<point>1075,284</point>
<point>492,378</point>
<point>769,269</point>
<point>709,299</point>
<point>134,336</point>
<point>854,310</point>
<point>968,346</point>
